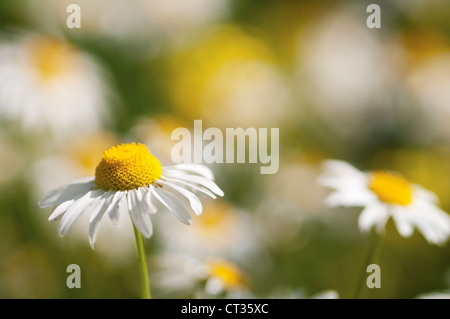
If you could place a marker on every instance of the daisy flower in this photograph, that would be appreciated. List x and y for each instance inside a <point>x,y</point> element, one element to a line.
<point>289,293</point>
<point>233,87</point>
<point>48,85</point>
<point>157,132</point>
<point>79,156</point>
<point>181,274</point>
<point>223,276</point>
<point>223,230</point>
<point>130,180</point>
<point>435,295</point>
<point>141,24</point>
<point>345,68</point>
<point>385,194</point>
<point>291,202</point>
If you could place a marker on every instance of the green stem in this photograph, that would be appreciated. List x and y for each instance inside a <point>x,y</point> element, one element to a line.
<point>374,244</point>
<point>142,264</point>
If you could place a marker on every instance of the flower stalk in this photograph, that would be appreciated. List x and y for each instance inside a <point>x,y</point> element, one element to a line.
<point>142,265</point>
<point>374,244</point>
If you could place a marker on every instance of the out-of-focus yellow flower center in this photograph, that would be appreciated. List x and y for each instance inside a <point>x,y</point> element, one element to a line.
<point>228,273</point>
<point>85,150</point>
<point>194,68</point>
<point>217,219</point>
<point>212,220</point>
<point>51,57</point>
<point>391,188</point>
<point>127,167</point>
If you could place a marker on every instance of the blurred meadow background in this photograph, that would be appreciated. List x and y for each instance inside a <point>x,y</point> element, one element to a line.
<point>137,69</point>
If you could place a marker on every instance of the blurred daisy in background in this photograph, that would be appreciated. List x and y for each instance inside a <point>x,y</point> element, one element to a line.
<point>143,24</point>
<point>326,294</point>
<point>157,132</point>
<point>77,157</point>
<point>292,198</point>
<point>184,275</point>
<point>302,294</point>
<point>222,230</point>
<point>435,295</point>
<point>177,19</point>
<point>250,93</point>
<point>47,85</point>
<point>426,53</point>
<point>113,18</point>
<point>385,194</point>
<point>237,85</point>
<point>223,277</point>
<point>342,69</point>
<point>129,180</point>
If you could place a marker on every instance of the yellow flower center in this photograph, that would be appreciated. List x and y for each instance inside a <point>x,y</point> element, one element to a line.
<point>227,272</point>
<point>51,57</point>
<point>217,220</point>
<point>127,167</point>
<point>211,221</point>
<point>391,188</point>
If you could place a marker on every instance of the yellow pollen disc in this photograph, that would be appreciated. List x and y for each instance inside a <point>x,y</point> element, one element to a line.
<point>230,275</point>
<point>127,167</point>
<point>218,219</point>
<point>391,188</point>
<point>51,57</point>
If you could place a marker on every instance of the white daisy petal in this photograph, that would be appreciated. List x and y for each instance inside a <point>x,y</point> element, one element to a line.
<point>343,182</point>
<point>196,168</point>
<point>99,208</point>
<point>202,182</point>
<point>343,178</point>
<point>121,211</point>
<point>372,215</point>
<point>173,204</point>
<point>349,198</point>
<point>113,208</point>
<point>140,217</point>
<point>341,169</point>
<point>60,210</point>
<point>66,193</point>
<point>148,198</point>
<point>403,222</point>
<point>208,184</point>
<point>143,195</point>
<point>433,223</point>
<point>73,213</point>
<point>437,216</point>
<point>200,189</point>
<point>429,233</point>
<point>194,202</point>
<point>426,195</point>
